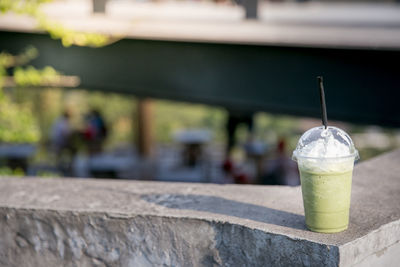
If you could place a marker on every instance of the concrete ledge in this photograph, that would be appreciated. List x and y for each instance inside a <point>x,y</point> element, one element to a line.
<point>70,222</point>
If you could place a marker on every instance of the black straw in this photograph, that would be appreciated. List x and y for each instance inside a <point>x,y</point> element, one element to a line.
<point>322,100</point>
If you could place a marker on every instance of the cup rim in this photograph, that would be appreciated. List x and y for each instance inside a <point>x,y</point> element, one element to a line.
<point>354,155</point>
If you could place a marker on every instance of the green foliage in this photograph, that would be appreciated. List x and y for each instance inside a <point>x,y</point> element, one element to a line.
<point>173,116</point>
<point>8,60</point>
<point>56,30</point>
<point>31,76</point>
<point>6,171</point>
<point>21,6</point>
<point>17,122</point>
<point>70,37</point>
<point>47,174</point>
<point>270,128</point>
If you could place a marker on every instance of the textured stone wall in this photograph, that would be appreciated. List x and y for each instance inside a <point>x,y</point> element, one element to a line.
<point>63,238</point>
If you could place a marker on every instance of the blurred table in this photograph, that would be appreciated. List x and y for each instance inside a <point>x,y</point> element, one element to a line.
<point>17,155</point>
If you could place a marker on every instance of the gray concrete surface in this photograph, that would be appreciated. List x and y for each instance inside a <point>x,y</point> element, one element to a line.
<point>71,222</point>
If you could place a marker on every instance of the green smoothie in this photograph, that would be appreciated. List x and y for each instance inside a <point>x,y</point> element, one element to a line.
<point>325,156</point>
<point>326,197</point>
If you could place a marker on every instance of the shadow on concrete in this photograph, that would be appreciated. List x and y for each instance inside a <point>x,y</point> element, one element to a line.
<point>228,207</point>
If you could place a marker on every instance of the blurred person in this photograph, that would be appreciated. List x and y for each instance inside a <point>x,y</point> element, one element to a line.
<point>61,141</point>
<point>281,170</point>
<point>60,132</point>
<point>95,132</point>
<point>255,154</point>
<point>234,174</point>
<point>235,118</point>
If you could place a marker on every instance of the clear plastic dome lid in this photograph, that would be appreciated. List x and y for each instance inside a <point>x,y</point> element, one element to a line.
<point>321,143</point>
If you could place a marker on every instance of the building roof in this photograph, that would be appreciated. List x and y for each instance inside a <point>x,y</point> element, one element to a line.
<point>365,26</point>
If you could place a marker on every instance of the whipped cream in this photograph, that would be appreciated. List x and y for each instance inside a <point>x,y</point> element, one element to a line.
<point>325,150</point>
<point>327,147</point>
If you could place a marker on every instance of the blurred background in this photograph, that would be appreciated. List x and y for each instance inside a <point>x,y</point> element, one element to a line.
<point>191,90</point>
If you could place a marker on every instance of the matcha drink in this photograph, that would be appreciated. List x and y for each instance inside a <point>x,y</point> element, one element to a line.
<point>325,157</point>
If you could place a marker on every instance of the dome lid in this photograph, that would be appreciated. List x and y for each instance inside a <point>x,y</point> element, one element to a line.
<point>321,143</point>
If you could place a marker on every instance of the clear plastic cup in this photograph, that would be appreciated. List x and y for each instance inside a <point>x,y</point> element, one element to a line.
<point>325,158</point>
